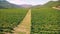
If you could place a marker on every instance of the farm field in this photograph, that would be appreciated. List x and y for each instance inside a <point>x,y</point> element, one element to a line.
<point>30,17</point>
<point>45,20</point>
<point>10,18</point>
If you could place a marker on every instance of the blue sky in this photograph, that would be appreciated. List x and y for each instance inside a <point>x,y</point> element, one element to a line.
<point>32,2</point>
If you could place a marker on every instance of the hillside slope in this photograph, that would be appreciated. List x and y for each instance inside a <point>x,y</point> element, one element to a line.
<point>6,4</point>
<point>49,4</point>
<point>52,3</point>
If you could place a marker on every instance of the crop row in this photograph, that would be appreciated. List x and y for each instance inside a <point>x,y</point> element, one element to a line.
<point>45,21</point>
<point>10,18</point>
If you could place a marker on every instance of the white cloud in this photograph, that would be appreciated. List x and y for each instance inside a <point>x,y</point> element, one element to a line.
<point>33,2</point>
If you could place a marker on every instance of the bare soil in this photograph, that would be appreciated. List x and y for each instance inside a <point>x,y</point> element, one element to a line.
<point>25,26</point>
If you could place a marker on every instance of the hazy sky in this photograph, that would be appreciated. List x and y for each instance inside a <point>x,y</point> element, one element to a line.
<point>32,2</point>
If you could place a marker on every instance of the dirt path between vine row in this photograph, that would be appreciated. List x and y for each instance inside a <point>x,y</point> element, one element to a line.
<point>25,26</point>
<point>56,8</point>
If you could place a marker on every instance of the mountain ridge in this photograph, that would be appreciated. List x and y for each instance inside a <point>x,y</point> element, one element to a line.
<point>6,4</point>
<point>49,4</point>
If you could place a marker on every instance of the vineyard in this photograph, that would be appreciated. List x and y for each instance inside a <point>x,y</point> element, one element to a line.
<point>10,18</point>
<point>45,21</point>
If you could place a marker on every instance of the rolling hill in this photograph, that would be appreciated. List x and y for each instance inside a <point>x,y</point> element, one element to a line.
<point>52,3</point>
<point>6,4</point>
<point>49,4</point>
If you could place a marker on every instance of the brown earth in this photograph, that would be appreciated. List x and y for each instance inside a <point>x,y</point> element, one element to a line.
<point>25,26</point>
<point>56,8</point>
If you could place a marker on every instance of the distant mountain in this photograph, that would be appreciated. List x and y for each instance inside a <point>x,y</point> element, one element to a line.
<point>52,3</point>
<point>49,4</point>
<point>6,4</point>
<point>26,5</point>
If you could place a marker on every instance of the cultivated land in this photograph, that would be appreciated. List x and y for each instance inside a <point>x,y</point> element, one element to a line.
<point>25,26</point>
<point>10,18</point>
<point>45,20</point>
